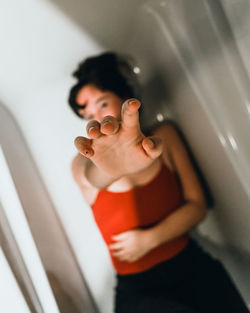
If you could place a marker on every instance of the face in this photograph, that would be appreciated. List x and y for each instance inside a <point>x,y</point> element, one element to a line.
<point>97,103</point>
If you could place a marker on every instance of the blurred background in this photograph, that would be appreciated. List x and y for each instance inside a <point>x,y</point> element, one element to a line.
<point>191,58</point>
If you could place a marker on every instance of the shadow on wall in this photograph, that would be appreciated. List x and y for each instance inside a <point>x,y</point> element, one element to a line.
<point>110,23</point>
<point>63,298</point>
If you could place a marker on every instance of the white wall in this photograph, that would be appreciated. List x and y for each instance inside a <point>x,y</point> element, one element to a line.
<point>39,49</point>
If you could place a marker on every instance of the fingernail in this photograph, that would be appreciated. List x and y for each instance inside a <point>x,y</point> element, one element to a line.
<point>106,123</point>
<point>131,101</point>
<point>151,143</point>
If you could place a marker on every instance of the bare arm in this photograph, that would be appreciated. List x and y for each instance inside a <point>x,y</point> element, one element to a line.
<point>194,210</point>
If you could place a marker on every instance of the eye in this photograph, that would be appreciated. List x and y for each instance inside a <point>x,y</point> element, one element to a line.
<point>104,105</point>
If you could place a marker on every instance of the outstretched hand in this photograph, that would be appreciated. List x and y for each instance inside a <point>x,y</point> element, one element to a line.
<point>118,147</point>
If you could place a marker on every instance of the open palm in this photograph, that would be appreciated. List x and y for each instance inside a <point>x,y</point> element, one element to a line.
<point>118,147</point>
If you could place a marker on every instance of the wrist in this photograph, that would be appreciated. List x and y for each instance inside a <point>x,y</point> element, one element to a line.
<point>152,238</point>
<point>97,177</point>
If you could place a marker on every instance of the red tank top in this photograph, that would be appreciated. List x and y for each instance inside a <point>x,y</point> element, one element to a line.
<point>141,207</point>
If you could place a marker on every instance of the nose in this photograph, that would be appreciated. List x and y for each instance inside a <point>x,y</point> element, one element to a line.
<point>98,117</point>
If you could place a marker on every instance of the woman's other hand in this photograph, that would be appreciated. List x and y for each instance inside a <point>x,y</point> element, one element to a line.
<point>131,245</point>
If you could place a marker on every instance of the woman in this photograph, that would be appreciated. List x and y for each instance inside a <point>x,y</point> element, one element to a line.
<point>145,197</point>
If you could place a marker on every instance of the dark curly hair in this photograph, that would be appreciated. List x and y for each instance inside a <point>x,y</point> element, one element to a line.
<point>108,72</point>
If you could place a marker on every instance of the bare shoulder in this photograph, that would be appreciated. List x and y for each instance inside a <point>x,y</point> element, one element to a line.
<point>170,138</point>
<point>78,165</point>
<point>167,132</point>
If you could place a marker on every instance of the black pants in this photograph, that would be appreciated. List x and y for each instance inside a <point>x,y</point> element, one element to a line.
<point>192,282</point>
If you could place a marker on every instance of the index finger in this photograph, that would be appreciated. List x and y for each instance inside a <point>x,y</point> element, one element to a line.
<point>115,246</point>
<point>130,114</point>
